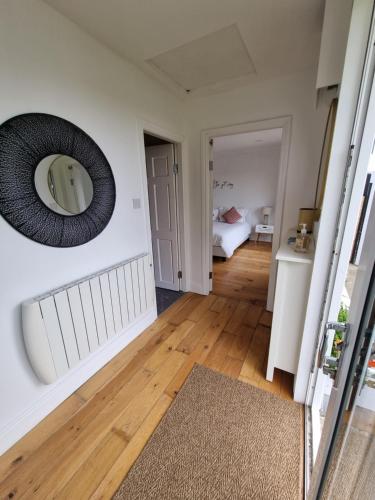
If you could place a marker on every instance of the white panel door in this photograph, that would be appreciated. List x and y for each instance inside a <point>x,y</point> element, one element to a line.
<point>161,180</point>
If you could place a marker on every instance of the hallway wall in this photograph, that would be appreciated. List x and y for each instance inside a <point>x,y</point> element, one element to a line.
<point>49,65</point>
<point>293,96</point>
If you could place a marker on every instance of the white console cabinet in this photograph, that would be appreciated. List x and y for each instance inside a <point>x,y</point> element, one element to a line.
<point>292,288</point>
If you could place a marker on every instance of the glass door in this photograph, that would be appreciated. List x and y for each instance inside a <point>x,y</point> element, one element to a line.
<point>348,473</point>
<point>347,289</point>
<point>338,331</point>
<point>338,383</point>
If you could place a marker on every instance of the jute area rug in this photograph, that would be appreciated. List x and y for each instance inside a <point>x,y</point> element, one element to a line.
<point>221,439</point>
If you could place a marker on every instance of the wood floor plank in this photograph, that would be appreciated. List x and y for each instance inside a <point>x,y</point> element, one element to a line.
<point>198,355</point>
<point>253,364</point>
<point>183,313</point>
<point>234,324</point>
<point>163,352</point>
<point>218,304</point>
<point>231,367</point>
<point>88,477</point>
<point>189,342</point>
<point>134,413</point>
<point>241,344</point>
<point>217,356</point>
<point>253,315</point>
<point>126,459</point>
<point>28,445</point>
<point>111,369</point>
<point>202,349</point>
<point>199,311</point>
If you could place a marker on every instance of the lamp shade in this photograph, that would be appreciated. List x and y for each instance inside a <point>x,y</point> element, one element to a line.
<point>267,210</point>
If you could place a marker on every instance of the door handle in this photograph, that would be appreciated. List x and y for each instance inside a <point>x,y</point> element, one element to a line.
<point>330,365</point>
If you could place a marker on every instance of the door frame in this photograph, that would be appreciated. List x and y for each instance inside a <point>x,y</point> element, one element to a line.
<point>351,149</point>
<point>145,127</point>
<point>283,122</point>
<point>344,152</point>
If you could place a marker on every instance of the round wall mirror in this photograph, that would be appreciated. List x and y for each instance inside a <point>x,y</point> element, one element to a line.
<point>56,185</point>
<point>63,184</point>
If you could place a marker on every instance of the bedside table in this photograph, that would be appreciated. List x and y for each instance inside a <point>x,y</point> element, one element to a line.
<point>263,229</point>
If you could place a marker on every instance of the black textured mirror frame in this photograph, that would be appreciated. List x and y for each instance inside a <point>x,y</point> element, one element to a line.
<point>24,141</point>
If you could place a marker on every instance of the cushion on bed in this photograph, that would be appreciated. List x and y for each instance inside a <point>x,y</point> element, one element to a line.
<point>215,214</point>
<point>222,211</point>
<point>243,212</point>
<point>231,216</point>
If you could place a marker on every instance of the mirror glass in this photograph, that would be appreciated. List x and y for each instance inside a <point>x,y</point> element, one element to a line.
<point>63,184</point>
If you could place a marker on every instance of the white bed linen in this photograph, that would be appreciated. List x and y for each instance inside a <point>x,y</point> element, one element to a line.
<point>227,237</point>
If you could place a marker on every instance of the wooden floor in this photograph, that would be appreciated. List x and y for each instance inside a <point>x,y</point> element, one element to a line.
<point>86,446</point>
<point>245,275</point>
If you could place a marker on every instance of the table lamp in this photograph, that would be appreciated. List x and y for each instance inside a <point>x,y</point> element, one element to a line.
<point>266,214</point>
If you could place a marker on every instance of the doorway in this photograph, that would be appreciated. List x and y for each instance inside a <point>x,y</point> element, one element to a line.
<point>276,212</point>
<point>244,190</point>
<point>165,212</point>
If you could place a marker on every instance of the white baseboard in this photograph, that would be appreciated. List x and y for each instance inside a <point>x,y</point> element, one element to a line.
<point>56,393</point>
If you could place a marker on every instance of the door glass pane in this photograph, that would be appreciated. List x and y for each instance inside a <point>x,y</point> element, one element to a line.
<point>351,471</point>
<point>334,341</point>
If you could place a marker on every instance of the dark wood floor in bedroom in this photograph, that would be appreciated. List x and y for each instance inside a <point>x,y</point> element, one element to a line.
<point>85,447</point>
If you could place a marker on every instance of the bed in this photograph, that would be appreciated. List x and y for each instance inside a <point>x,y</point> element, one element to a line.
<point>228,237</point>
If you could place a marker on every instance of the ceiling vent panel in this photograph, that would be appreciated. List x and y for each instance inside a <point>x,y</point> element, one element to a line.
<point>214,58</point>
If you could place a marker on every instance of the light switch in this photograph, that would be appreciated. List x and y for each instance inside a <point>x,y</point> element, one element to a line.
<point>136,203</point>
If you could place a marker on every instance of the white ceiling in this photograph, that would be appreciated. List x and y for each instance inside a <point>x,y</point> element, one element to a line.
<point>216,57</point>
<point>279,36</point>
<point>247,140</point>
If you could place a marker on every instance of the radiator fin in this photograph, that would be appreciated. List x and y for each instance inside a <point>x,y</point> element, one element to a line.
<point>55,339</point>
<point>67,328</point>
<point>89,315</point>
<point>78,318</point>
<point>97,301</point>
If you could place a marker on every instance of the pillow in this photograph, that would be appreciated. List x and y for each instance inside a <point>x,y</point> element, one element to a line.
<point>231,216</point>
<point>243,212</point>
<point>215,214</point>
<point>222,211</point>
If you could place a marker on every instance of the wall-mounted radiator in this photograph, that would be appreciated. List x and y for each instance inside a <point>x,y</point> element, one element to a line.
<point>66,325</point>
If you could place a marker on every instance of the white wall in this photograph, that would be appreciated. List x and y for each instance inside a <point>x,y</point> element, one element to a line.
<point>49,65</point>
<point>293,96</point>
<point>254,174</point>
